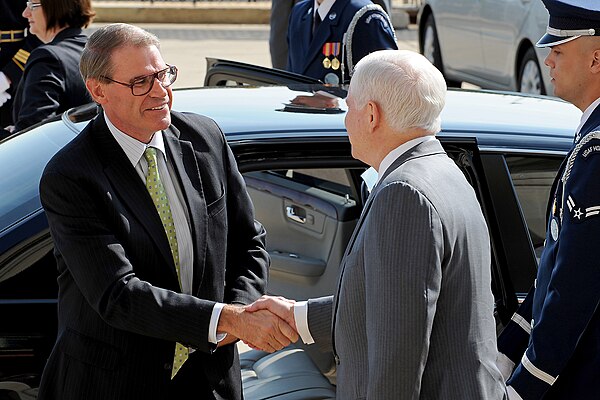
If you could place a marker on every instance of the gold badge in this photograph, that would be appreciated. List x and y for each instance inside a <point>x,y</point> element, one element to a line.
<point>326,63</point>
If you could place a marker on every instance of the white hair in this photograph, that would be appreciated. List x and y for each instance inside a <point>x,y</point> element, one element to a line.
<point>408,89</point>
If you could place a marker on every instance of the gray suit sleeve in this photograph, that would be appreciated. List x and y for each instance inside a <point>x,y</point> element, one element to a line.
<point>319,321</point>
<point>403,256</point>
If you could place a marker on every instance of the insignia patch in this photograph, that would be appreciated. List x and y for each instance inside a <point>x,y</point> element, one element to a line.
<point>579,213</point>
<point>590,150</point>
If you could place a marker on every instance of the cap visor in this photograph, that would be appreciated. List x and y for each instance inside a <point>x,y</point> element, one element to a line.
<point>550,40</point>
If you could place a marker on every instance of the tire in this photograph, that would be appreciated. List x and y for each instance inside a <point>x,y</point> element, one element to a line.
<point>530,75</point>
<point>430,48</point>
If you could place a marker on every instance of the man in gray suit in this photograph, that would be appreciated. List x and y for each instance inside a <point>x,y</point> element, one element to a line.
<point>413,314</point>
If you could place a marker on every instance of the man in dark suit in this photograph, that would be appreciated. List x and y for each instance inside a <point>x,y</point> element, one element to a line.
<point>413,314</point>
<point>155,241</point>
<point>326,38</point>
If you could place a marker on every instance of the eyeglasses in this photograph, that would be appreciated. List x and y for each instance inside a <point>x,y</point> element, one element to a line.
<point>144,84</point>
<point>32,6</point>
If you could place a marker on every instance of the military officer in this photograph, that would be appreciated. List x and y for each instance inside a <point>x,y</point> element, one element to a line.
<point>554,338</point>
<point>15,46</point>
<point>326,38</point>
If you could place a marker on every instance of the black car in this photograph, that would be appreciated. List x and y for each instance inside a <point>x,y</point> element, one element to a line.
<point>306,188</point>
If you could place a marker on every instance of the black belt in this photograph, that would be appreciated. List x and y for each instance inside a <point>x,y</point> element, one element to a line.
<point>11,36</point>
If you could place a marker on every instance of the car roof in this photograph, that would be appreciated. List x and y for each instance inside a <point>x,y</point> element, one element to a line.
<point>497,121</point>
<point>494,119</point>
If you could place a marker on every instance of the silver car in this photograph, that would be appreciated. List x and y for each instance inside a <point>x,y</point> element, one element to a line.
<point>489,43</point>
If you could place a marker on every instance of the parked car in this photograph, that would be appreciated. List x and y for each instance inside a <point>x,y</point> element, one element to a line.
<point>296,160</point>
<point>490,43</point>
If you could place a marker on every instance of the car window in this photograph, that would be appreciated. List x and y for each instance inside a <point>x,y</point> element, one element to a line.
<point>333,180</point>
<point>532,177</point>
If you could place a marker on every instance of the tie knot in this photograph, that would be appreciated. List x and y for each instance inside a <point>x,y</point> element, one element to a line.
<point>150,155</point>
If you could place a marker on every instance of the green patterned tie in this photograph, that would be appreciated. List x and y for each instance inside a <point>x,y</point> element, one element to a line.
<point>161,202</point>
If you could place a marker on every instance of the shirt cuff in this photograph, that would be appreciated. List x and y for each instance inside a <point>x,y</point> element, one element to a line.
<point>505,365</point>
<point>512,394</point>
<point>301,318</point>
<point>213,336</point>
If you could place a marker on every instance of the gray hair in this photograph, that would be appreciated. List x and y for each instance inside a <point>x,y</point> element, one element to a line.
<point>96,57</point>
<point>409,90</point>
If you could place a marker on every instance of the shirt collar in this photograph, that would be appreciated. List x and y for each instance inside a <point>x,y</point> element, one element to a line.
<point>323,9</point>
<point>398,151</point>
<point>586,115</point>
<point>133,148</point>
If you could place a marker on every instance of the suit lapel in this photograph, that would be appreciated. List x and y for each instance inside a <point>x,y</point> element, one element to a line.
<point>324,32</point>
<point>130,188</point>
<point>305,37</point>
<point>185,164</point>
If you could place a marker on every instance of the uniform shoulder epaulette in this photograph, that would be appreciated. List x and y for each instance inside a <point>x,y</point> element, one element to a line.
<point>348,36</point>
<point>20,58</point>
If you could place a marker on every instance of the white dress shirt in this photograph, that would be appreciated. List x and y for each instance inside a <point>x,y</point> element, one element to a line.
<point>323,8</point>
<point>301,307</point>
<point>586,115</point>
<point>134,150</point>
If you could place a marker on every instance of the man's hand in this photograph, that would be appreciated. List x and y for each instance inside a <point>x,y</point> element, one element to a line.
<point>261,329</point>
<point>280,306</point>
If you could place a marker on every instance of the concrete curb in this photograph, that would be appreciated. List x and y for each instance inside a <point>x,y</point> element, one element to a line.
<point>183,12</point>
<point>222,12</point>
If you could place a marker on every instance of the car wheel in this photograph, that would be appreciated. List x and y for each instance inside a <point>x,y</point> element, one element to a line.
<point>431,48</point>
<point>530,74</point>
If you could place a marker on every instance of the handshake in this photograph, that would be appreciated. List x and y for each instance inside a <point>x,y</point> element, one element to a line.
<point>268,324</point>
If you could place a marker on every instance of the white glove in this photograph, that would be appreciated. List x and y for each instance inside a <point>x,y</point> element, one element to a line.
<point>512,394</point>
<point>4,82</point>
<point>4,97</point>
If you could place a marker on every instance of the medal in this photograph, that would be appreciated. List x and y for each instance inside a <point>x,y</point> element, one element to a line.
<point>327,51</point>
<point>335,63</point>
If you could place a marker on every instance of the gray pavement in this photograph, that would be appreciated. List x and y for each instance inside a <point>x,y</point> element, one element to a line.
<point>187,45</point>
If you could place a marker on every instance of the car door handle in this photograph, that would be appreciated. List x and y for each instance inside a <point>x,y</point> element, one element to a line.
<point>291,213</point>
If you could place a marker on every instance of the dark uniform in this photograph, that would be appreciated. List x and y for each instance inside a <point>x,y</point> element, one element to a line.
<point>51,82</point>
<point>326,54</point>
<point>554,338</point>
<point>15,47</point>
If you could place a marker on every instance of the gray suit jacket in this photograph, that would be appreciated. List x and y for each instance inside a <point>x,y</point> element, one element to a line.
<point>413,314</point>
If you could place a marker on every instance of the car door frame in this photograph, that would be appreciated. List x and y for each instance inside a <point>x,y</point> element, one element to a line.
<point>513,256</point>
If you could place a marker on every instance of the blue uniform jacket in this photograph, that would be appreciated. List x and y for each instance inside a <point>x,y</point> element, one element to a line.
<point>51,81</point>
<point>372,32</point>
<point>554,338</point>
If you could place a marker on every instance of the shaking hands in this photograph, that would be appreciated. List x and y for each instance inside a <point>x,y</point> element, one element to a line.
<point>268,324</point>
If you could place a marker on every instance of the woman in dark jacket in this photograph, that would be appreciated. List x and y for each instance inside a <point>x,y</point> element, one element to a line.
<point>51,81</point>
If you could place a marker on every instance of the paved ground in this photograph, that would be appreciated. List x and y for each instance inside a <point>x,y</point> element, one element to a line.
<point>187,46</point>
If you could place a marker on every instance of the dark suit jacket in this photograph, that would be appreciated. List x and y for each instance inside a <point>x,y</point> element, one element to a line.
<point>120,309</point>
<point>51,82</point>
<point>306,50</point>
<point>413,316</point>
